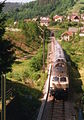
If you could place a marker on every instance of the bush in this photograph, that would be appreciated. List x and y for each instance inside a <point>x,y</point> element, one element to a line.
<point>58,33</point>
<point>17,76</point>
<point>52,23</point>
<point>36,62</point>
<point>35,76</point>
<point>64,25</point>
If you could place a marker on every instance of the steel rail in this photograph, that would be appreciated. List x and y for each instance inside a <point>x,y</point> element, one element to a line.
<point>42,108</point>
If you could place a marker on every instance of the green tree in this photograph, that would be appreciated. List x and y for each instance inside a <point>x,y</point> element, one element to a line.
<point>31,31</point>
<point>41,8</point>
<point>6,48</point>
<point>2,20</point>
<point>7,56</point>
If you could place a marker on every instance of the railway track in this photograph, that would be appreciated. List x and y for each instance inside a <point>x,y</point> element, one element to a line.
<point>54,110</point>
<point>58,110</point>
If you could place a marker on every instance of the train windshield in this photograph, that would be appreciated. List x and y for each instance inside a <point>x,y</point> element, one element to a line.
<point>55,79</point>
<point>62,79</point>
<point>60,65</point>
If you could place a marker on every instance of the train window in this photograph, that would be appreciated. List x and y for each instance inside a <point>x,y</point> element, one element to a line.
<point>55,78</point>
<point>62,79</point>
<point>58,65</point>
<point>62,60</point>
<point>58,60</point>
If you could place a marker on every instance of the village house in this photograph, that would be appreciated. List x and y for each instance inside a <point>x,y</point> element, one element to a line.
<point>73,18</point>
<point>69,18</point>
<point>44,21</point>
<point>81,32</point>
<point>82,16</point>
<point>74,30</point>
<point>34,19</point>
<point>15,23</point>
<point>67,36</point>
<point>58,18</point>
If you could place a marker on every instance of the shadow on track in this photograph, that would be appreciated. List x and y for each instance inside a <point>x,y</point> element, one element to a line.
<point>74,76</point>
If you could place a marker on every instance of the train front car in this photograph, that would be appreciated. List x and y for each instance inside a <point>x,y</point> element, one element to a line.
<point>59,83</point>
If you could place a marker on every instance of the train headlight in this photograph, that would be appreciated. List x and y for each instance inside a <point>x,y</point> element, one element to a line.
<point>64,89</point>
<point>51,88</point>
<point>67,85</point>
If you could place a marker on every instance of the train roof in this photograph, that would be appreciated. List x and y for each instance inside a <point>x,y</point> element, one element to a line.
<point>59,66</point>
<point>59,53</point>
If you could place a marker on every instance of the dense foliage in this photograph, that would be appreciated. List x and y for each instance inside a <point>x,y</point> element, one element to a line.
<point>37,61</point>
<point>41,8</point>
<point>31,32</point>
<point>82,10</point>
<point>6,56</point>
<point>34,34</point>
<point>2,20</point>
<point>6,52</point>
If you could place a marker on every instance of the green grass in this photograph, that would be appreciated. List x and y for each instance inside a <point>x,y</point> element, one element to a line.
<point>22,72</point>
<point>18,69</point>
<point>27,94</point>
<point>81,0</point>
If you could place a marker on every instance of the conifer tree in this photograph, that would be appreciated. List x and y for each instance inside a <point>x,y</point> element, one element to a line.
<point>6,48</point>
<point>2,20</point>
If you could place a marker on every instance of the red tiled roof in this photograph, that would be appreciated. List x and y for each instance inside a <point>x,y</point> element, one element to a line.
<point>67,33</point>
<point>73,29</point>
<point>57,16</point>
<point>82,30</point>
<point>44,19</point>
<point>74,17</point>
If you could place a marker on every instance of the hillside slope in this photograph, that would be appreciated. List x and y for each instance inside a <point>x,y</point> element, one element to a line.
<point>77,7</point>
<point>11,6</point>
<point>42,8</point>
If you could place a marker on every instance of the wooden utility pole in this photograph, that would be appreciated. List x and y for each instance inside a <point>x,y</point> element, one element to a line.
<point>43,52</point>
<point>43,48</point>
<point>3,96</point>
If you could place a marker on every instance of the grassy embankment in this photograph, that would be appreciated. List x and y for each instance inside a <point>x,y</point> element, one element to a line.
<point>26,77</point>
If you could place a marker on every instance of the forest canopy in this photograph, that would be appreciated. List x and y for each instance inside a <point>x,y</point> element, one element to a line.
<point>41,8</point>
